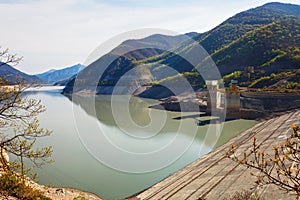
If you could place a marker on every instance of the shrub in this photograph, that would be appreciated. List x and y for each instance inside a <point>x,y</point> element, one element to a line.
<point>12,186</point>
<point>80,198</point>
<point>282,168</point>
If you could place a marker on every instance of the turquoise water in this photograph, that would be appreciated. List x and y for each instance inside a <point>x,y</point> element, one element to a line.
<point>98,148</point>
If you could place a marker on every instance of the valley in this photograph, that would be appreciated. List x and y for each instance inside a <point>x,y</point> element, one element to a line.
<point>150,107</point>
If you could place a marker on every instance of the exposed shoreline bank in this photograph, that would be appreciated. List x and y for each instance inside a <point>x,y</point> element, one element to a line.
<point>67,193</point>
<point>255,107</point>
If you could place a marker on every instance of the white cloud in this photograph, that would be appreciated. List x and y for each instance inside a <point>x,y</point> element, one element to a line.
<point>55,34</point>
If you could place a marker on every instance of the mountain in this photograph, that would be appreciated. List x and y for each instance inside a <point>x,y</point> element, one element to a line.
<point>107,70</point>
<point>52,76</point>
<point>65,81</point>
<point>238,25</point>
<point>266,37</point>
<point>272,47</point>
<point>234,29</point>
<point>14,76</point>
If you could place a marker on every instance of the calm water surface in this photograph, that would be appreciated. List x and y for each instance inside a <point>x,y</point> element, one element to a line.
<point>77,125</point>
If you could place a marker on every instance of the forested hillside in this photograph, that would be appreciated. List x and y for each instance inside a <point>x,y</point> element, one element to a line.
<point>266,38</point>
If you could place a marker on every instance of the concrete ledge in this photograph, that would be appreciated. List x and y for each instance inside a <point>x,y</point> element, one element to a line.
<point>216,177</point>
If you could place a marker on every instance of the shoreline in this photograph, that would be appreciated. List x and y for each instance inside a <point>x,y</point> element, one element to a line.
<point>205,177</point>
<point>57,193</point>
<point>67,193</point>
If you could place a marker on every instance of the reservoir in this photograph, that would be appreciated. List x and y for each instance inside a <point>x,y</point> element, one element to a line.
<point>116,146</point>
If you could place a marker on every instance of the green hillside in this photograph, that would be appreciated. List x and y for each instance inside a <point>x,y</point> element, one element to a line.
<point>234,28</point>
<point>271,47</point>
<point>238,25</point>
<point>266,37</point>
<point>288,79</point>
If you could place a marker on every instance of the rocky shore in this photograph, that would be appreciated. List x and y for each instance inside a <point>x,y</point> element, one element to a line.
<point>67,194</point>
<point>58,193</point>
<point>54,193</point>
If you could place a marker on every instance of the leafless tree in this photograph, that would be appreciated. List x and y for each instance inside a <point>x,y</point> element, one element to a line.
<point>281,168</point>
<point>7,58</point>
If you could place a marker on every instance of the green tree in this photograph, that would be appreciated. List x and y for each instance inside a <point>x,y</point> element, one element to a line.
<point>19,125</point>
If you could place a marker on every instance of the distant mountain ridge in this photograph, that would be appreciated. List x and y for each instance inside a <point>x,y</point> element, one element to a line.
<point>266,37</point>
<point>53,76</point>
<point>14,76</point>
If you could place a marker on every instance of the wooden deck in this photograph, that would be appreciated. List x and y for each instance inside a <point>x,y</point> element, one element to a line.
<point>216,177</point>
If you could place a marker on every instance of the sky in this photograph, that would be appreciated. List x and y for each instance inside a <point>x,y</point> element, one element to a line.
<point>53,34</point>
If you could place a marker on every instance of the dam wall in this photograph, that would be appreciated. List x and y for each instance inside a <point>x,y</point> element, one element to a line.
<point>269,103</point>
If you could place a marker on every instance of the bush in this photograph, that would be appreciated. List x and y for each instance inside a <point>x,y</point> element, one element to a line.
<point>80,198</point>
<point>9,185</point>
<point>12,186</point>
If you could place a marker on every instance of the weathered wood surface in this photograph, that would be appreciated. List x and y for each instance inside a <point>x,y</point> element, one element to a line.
<point>216,177</point>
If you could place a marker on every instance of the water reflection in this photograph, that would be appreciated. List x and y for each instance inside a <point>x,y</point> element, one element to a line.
<point>100,107</point>
<point>155,145</point>
<point>75,166</point>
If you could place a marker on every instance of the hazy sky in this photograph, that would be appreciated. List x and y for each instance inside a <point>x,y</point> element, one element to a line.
<point>55,34</point>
